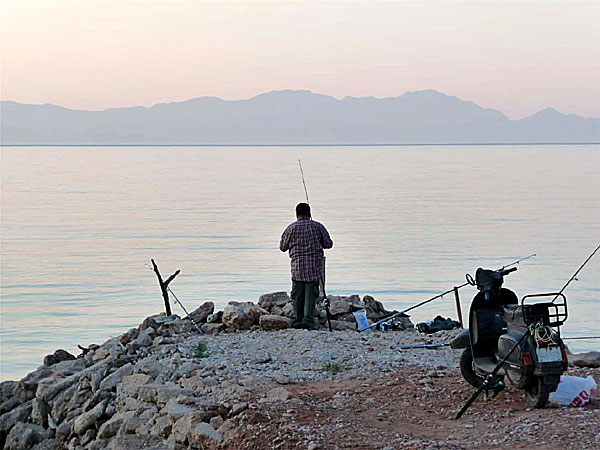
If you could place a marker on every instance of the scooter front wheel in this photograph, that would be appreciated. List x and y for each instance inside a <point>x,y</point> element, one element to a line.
<point>537,393</point>
<point>467,370</point>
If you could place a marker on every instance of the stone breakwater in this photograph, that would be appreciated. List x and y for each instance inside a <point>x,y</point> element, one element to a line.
<point>164,386</point>
<point>240,386</point>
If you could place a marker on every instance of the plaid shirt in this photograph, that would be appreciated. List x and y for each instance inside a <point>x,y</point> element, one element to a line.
<point>305,239</point>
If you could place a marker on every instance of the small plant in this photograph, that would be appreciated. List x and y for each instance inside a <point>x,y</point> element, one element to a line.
<point>333,368</point>
<point>201,350</point>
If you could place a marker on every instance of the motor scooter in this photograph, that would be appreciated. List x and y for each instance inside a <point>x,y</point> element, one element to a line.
<point>498,323</point>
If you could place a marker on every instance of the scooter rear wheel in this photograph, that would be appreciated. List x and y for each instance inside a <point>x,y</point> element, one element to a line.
<point>537,393</point>
<point>467,370</point>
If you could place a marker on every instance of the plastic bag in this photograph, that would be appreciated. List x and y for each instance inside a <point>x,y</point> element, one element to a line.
<point>573,391</point>
<point>361,319</point>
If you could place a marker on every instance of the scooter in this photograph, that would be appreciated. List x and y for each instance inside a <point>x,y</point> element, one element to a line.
<point>498,324</point>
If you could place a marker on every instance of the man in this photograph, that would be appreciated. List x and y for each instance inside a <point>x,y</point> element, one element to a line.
<point>305,239</point>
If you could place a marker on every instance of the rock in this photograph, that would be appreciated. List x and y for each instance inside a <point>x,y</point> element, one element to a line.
<point>148,322</point>
<point>267,301</point>
<point>175,410</point>
<point>288,310</point>
<point>216,422</point>
<point>70,366</point>
<point>183,427</point>
<point>340,325</point>
<point>588,359</point>
<point>160,393</point>
<point>39,412</point>
<point>110,382</point>
<point>56,357</point>
<point>215,318</point>
<point>200,314</point>
<point>238,408</point>
<point>346,317</point>
<point>88,419</point>
<point>88,436</point>
<point>163,426</point>
<point>257,312</point>
<point>337,305</point>
<point>151,366</point>
<point>355,302</point>
<point>212,328</point>
<point>11,418</point>
<point>110,428</point>
<point>278,394</point>
<point>130,383</point>
<point>273,322</point>
<point>135,441</point>
<point>46,444</point>
<point>203,435</point>
<point>64,430</point>
<point>177,327</point>
<point>237,316</point>
<point>129,336</point>
<point>145,338</point>
<point>25,435</point>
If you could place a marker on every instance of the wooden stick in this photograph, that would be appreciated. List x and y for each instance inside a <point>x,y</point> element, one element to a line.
<point>458,309</point>
<point>164,285</point>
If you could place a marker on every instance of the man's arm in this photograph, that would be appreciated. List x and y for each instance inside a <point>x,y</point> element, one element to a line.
<point>326,241</point>
<point>284,244</point>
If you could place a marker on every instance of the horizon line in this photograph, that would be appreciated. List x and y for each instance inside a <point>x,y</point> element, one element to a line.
<point>307,145</point>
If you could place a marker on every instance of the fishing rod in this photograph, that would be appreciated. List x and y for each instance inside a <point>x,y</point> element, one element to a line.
<point>303,182</point>
<point>489,379</point>
<point>470,281</point>
<point>325,302</point>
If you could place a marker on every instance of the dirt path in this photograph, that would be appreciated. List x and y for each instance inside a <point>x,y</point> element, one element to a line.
<point>414,408</point>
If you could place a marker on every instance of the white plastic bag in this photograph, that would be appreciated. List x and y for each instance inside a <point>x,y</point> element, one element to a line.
<point>573,391</point>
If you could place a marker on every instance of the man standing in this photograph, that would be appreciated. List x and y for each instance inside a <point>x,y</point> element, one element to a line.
<point>305,239</point>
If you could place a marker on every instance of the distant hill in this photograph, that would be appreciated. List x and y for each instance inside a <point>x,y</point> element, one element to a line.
<point>292,117</point>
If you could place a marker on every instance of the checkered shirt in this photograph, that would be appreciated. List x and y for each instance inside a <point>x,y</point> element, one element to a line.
<point>305,239</point>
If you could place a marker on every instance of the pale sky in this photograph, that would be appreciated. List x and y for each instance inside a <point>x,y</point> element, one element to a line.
<point>515,56</point>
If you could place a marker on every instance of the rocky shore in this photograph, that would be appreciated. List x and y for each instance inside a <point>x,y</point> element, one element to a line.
<point>249,381</point>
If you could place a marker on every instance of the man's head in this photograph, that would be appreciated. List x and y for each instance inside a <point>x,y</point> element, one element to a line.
<point>303,211</point>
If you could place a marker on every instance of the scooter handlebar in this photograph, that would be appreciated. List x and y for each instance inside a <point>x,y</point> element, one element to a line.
<point>507,271</point>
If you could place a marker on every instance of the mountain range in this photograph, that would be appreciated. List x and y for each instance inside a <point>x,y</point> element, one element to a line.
<point>291,117</point>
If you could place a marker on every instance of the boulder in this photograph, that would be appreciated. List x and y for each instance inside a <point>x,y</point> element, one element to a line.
<point>39,412</point>
<point>148,322</point>
<point>11,418</point>
<point>89,419</point>
<point>202,312</point>
<point>278,394</point>
<point>273,322</point>
<point>288,310</point>
<point>588,359</point>
<point>56,357</point>
<point>257,312</point>
<point>176,327</point>
<point>25,435</point>
<point>337,305</point>
<point>110,428</point>
<point>340,325</point>
<point>137,441</point>
<point>129,336</point>
<point>237,316</point>
<point>355,302</point>
<point>215,317</point>
<point>111,382</point>
<point>212,328</point>
<point>267,301</point>
<point>204,435</point>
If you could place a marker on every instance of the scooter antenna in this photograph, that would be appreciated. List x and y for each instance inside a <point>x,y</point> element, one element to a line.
<point>575,274</point>
<point>303,182</point>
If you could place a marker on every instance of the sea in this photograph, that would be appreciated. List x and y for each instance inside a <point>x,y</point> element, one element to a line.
<point>79,227</point>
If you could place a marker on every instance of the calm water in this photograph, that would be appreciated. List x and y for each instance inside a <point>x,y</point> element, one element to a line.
<point>79,225</point>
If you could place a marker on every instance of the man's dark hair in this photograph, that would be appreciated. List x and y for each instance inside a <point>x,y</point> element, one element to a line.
<point>302,210</point>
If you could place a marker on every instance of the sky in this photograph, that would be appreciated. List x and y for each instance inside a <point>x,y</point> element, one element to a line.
<point>515,56</point>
